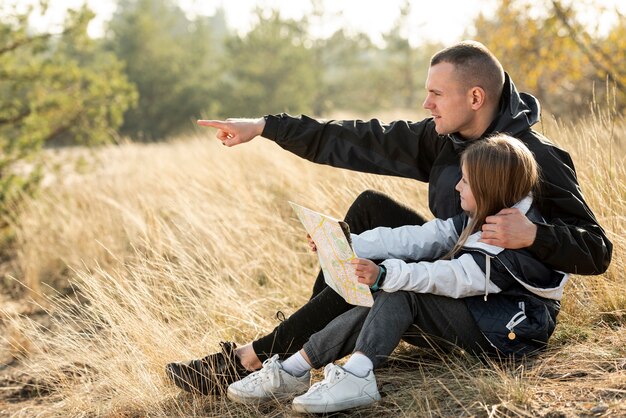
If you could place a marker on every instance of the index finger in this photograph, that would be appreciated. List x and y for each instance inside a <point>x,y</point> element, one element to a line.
<point>219,124</point>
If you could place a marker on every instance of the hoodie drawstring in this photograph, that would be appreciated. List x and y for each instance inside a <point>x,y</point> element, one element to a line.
<point>487,273</point>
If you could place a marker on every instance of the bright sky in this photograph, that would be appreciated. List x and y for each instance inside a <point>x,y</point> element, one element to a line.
<point>443,20</point>
<point>430,20</point>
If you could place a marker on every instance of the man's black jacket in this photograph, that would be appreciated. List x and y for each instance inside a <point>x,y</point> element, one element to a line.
<point>571,240</point>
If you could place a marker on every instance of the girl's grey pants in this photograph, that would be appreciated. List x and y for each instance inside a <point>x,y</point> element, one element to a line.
<point>420,319</point>
<point>328,327</point>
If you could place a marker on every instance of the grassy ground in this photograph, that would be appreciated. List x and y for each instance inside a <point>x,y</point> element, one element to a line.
<point>137,255</point>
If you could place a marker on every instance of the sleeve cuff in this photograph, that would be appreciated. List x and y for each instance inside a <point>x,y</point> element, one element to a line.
<point>544,241</point>
<point>382,272</point>
<point>270,131</point>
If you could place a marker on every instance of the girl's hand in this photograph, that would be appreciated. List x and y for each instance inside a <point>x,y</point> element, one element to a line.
<point>311,243</point>
<point>366,270</point>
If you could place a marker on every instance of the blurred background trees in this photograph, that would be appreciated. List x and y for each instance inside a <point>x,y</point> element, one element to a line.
<point>272,69</point>
<point>171,60</point>
<point>186,68</point>
<point>554,57</point>
<point>157,69</point>
<point>61,89</point>
<point>164,68</point>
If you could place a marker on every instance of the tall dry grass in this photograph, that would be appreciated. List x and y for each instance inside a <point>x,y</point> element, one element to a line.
<point>170,248</point>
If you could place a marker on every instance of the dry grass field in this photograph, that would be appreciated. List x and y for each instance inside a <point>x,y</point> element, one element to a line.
<point>136,255</point>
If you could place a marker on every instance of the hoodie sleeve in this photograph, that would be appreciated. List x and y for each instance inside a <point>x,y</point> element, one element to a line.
<point>429,241</point>
<point>403,149</point>
<point>457,278</point>
<point>571,239</point>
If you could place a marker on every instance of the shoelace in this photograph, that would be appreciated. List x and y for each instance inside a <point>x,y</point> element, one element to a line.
<point>270,371</point>
<point>487,273</point>
<point>280,316</point>
<point>332,373</point>
<point>226,351</point>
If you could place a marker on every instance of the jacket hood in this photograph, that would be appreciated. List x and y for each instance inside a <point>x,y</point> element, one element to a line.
<point>517,113</point>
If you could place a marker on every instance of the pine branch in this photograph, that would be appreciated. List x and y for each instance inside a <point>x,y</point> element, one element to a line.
<point>16,118</point>
<point>24,41</point>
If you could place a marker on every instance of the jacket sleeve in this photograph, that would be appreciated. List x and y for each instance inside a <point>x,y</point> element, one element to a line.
<point>571,240</point>
<point>404,149</point>
<point>457,278</point>
<point>412,242</point>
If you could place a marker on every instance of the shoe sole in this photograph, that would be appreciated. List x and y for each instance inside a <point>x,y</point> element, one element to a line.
<point>181,381</point>
<point>336,407</point>
<point>248,400</point>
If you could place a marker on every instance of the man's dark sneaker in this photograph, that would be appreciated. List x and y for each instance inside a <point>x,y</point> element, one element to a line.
<point>210,375</point>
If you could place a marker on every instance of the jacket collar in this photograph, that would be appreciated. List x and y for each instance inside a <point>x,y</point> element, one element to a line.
<point>473,241</point>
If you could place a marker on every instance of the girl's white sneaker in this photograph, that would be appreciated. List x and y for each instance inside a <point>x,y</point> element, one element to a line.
<point>271,382</point>
<point>339,390</point>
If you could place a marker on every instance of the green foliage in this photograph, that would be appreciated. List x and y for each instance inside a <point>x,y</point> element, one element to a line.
<point>170,59</point>
<point>348,74</point>
<point>54,89</point>
<point>270,70</point>
<point>185,69</point>
<point>405,66</point>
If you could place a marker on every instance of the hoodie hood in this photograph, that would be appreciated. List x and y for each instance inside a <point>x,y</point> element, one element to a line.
<point>517,113</point>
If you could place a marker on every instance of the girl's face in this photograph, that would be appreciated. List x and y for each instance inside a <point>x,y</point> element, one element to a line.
<point>468,203</point>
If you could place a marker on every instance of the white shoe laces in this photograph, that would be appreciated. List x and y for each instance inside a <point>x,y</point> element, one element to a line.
<point>332,373</point>
<point>270,371</point>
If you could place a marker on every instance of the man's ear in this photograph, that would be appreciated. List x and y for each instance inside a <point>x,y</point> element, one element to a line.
<point>477,97</point>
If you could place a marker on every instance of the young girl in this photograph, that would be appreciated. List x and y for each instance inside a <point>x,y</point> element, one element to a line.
<point>476,296</point>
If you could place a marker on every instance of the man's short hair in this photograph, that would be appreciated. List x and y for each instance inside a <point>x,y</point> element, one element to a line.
<point>475,65</point>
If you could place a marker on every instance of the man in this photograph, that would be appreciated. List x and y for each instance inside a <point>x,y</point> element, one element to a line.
<point>469,97</point>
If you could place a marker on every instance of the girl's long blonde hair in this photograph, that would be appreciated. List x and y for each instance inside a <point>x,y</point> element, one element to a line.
<point>501,171</point>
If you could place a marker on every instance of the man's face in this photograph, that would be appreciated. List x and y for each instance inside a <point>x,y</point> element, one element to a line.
<point>449,103</point>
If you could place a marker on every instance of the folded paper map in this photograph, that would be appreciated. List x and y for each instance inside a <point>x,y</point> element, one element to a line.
<point>332,239</point>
